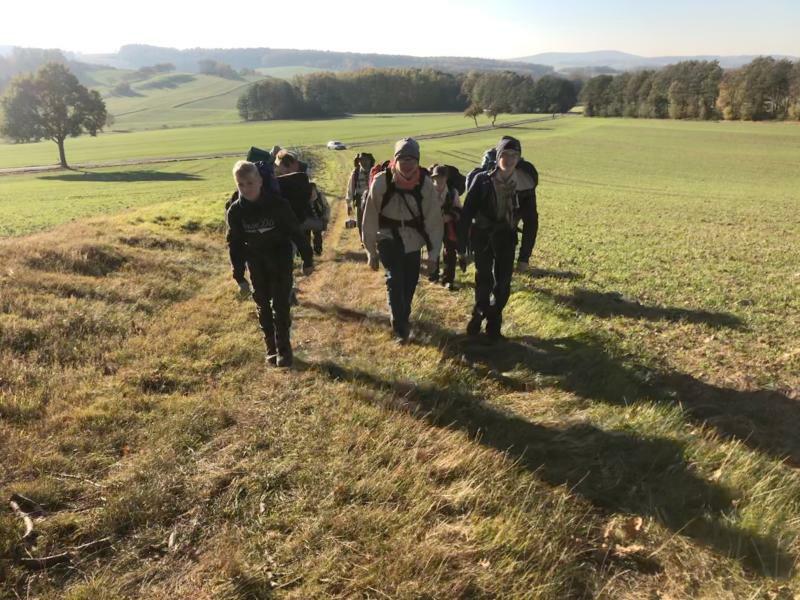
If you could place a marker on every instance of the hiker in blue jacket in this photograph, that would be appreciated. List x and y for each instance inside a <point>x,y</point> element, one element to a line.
<point>489,224</point>
<point>261,230</point>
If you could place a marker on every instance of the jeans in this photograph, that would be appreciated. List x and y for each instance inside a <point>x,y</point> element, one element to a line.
<point>402,276</point>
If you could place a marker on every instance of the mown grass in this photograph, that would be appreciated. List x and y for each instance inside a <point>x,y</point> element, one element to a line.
<point>634,385</point>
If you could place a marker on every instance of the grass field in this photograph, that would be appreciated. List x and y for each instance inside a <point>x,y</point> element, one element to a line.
<point>634,437</point>
<point>233,138</point>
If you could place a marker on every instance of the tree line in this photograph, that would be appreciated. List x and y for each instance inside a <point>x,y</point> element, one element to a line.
<point>405,90</point>
<point>765,88</point>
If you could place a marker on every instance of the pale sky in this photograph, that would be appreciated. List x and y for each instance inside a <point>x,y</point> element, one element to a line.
<point>481,28</point>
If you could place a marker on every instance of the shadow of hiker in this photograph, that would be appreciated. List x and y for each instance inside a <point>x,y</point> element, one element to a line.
<point>763,420</point>
<point>554,274</point>
<point>616,471</point>
<point>351,256</point>
<point>614,304</point>
<point>122,176</point>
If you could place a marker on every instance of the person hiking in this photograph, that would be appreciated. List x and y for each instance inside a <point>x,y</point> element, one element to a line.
<point>489,225</point>
<point>261,228</point>
<point>296,187</point>
<point>402,214</point>
<point>321,212</point>
<point>525,209</point>
<point>358,185</point>
<point>451,210</point>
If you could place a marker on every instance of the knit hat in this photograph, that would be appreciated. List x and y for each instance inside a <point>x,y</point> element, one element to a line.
<point>508,143</point>
<point>407,147</point>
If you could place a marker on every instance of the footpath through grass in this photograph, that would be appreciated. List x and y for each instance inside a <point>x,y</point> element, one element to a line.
<point>635,436</point>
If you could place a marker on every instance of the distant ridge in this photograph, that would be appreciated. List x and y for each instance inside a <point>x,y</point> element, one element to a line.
<point>623,61</point>
<point>134,56</point>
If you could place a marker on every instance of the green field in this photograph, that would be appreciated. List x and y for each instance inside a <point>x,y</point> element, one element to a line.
<point>634,437</point>
<point>233,138</point>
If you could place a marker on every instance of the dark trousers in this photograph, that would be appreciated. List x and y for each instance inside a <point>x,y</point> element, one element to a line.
<point>402,276</point>
<point>530,225</point>
<point>450,259</point>
<point>315,240</point>
<point>272,283</point>
<point>494,265</point>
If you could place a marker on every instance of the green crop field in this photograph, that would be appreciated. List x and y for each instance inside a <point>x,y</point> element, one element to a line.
<point>635,436</point>
<point>233,138</point>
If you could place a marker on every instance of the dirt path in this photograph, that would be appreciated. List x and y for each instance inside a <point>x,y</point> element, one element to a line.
<point>190,157</point>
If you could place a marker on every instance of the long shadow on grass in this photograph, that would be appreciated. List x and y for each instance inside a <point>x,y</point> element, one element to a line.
<point>615,470</point>
<point>123,176</point>
<point>613,304</point>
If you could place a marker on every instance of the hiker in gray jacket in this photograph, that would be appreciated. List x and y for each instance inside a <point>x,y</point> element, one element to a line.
<point>402,214</point>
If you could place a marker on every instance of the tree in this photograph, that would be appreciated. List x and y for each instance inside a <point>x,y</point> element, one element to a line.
<point>52,105</point>
<point>473,111</point>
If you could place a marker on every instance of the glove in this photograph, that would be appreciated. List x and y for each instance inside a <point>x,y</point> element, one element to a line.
<point>372,261</point>
<point>462,262</point>
<point>308,270</point>
<point>244,287</point>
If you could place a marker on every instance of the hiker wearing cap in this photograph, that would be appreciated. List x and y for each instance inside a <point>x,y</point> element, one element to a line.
<point>261,230</point>
<point>358,185</point>
<point>402,215</point>
<point>451,211</point>
<point>488,222</point>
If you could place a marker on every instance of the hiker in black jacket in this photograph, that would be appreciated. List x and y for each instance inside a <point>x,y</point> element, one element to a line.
<point>489,223</point>
<point>261,229</point>
<point>526,212</point>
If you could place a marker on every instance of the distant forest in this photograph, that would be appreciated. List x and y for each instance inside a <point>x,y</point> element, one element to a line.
<point>139,55</point>
<point>764,89</point>
<point>405,90</point>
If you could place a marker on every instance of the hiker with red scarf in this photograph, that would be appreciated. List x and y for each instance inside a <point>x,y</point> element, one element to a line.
<point>402,214</point>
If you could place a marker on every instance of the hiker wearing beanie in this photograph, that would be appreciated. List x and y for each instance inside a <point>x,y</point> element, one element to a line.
<point>488,223</point>
<point>525,210</point>
<point>261,230</point>
<point>402,215</point>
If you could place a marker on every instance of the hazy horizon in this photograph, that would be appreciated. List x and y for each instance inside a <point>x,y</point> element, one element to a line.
<point>510,29</point>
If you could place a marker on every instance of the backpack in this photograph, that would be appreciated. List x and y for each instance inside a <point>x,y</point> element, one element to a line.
<point>417,222</point>
<point>456,180</point>
<point>296,188</point>
<point>320,205</point>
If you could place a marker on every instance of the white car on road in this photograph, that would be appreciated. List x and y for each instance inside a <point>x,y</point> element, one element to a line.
<point>334,145</point>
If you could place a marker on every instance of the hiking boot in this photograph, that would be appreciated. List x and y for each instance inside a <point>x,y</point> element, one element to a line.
<point>272,349</point>
<point>493,327</point>
<point>451,286</point>
<point>401,332</point>
<point>284,359</point>
<point>474,325</point>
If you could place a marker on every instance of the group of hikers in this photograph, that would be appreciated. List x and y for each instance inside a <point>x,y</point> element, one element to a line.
<point>398,208</point>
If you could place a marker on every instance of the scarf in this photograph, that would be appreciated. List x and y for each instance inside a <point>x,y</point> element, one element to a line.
<point>401,181</point>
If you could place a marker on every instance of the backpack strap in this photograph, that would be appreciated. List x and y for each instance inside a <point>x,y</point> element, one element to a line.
<point>417,222</point>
